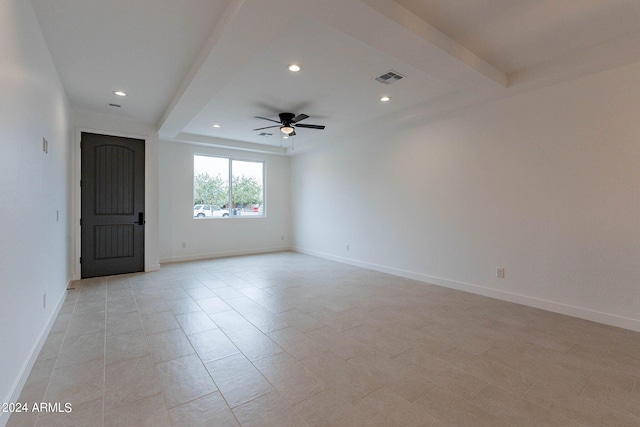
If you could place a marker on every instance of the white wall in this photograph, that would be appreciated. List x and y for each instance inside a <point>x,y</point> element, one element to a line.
<point>35,215</point>
<point>544,184</point>
<point>206,238</point>
<point>85,121</point>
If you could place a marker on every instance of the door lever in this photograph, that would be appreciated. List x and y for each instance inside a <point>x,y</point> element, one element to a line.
<point>140,218</point>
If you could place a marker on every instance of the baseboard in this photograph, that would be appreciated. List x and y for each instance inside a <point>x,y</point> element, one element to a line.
<point>16,389</point>
<point>223,254</point>
<point>569,310</point>
<point>152,267</point>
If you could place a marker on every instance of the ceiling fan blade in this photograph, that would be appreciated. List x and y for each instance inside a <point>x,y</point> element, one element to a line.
<point>311,126</point>
<point>268,127</point>
<point>264,118</point>
<point>291,134</point>
<point>299,118</point>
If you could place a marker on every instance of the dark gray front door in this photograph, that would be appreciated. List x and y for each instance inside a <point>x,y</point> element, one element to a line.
<point>112,192</point>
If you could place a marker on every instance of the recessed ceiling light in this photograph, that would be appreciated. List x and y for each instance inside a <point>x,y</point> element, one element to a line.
<point>295,68</point>
<point>385,99</point>
<point>216,125</point>
<point>119,93</point>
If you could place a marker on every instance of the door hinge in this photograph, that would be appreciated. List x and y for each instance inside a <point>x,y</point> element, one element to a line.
<point>80,260</point>
<point>80,183</point>
<point>80,222</point>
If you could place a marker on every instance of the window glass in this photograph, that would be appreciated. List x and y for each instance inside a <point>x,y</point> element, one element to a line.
<point>247,189</point>
<point>213,197</point>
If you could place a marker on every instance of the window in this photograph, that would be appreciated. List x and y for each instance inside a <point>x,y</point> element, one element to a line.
<point>213,197</point>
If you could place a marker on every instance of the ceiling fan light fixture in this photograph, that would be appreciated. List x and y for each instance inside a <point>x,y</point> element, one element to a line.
<point>294,68</point>
<point>286,129</point>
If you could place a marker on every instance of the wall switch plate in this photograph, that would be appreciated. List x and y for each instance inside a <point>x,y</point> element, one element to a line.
<point>500,273</point>
<point>45,145</point>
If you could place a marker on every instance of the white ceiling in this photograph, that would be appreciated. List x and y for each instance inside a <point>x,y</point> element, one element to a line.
<point>187,64</point>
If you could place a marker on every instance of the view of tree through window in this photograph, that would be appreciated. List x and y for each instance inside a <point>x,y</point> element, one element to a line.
<point>212,195</point>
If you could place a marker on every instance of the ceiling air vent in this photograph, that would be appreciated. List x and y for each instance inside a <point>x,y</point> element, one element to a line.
<point>265,134</point>
<point>389,77</point>
<point>115,105</point>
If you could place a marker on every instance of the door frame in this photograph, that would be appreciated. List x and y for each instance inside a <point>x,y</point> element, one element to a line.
<point>78,196</point>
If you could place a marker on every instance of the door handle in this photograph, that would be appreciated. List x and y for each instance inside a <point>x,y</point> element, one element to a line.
<point>140,218</point>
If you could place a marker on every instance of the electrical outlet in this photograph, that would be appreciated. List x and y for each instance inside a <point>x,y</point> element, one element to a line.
<point>184,245</point>
<point>45,145</point>
<point>500,273</point>
<point>44,300</point>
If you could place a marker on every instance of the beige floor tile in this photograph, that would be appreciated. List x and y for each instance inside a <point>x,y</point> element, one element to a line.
<point>296,343</point>
<point>151,305</point>
<point>489,370</point>
<point>130,345</point>
<point>86,323</point>
<point>398,378</point>
<point>212,345</point>
<point>121,323</point>
<point>62,322</point>
<point>147,412</point>
<point>81,348</point>
<point>442,373</point>
<point>154,323</point>
<point>200,293</point>
<point>231,321</point>
<point>350,381</point>
<point>379,339</point>
<point>22,419</point>
<point>169,345</point>
<point>170,294</point>
<point>329,409</point>
<point>194,322</point>
<point>392,410</point>
<point>238,380</point>
<point>206,411</point>
<point>183,305</point>
<point>88,414</point>
<point>129,381</point>
<point>227,293</point>
<point>37,382</point>
<point>338,342</point>
<point>565,399</point>
<point>348,346</point>
<point>183,380</point>
<point>213,305</point>
<point>451,409</point>
<point>270,410</point>
<point>292,380</point>
<point>78,383</point>
<point>516,410</point>
<point>254,344</point>
<point>301,321</point>
<point>51,347</point>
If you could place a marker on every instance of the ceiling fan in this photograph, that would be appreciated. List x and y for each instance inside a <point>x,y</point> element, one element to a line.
<point>289,122</point>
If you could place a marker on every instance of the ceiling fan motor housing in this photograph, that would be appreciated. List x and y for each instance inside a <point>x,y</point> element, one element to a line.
<point>286,118</point>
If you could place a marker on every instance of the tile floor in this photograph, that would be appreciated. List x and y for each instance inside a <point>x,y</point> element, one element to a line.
<point>291,340</point>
